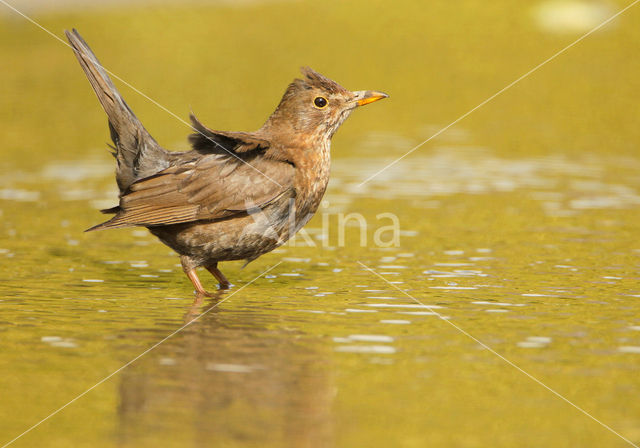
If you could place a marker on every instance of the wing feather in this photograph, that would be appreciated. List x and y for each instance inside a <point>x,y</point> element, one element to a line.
<point>208,140</point>
<point>226,173</point>
<point>205,189</point>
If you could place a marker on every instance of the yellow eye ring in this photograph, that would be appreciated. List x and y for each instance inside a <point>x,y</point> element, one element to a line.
<point>320,102</point>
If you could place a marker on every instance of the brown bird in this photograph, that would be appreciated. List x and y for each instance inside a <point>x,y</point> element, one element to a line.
<point>235,195</point>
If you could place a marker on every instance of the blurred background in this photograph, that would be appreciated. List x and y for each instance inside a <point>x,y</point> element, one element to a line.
<point>519,223</point>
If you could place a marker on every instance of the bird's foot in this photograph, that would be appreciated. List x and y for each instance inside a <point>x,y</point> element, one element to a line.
<point>200,291</point>
<point>223,283</point>
<point>204,293</point>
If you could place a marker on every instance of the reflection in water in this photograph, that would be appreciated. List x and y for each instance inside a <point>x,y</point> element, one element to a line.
<point>225,379</point>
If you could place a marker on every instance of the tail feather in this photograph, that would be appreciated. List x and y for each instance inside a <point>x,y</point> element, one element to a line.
<point>113,223</point>
<point>111,211</point>
<point>138,155</point>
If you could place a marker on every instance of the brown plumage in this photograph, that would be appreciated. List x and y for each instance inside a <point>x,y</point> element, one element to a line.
<point>235,195</point>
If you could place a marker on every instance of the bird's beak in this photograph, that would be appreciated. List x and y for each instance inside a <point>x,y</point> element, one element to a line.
<point>363,97</point>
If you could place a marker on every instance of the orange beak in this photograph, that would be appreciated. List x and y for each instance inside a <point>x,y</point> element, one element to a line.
<point>368,96</point>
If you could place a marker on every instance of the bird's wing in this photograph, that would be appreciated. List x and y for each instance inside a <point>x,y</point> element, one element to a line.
<point>202,187</point>
<point>210,141</point>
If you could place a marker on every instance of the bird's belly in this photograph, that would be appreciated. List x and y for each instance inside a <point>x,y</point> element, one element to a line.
<point>237,238</point>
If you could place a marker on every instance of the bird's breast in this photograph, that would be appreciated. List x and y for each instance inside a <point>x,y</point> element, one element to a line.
<point>311,178</point>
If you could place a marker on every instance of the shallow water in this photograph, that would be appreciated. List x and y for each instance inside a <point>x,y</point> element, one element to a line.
<point>518,247</point>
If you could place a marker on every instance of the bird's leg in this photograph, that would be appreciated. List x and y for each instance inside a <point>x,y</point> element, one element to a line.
<point>190,270</point>
<point>213,268</point>
<point>193,276</point>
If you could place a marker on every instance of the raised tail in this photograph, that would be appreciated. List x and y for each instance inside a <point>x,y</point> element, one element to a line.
<point>137,153</point>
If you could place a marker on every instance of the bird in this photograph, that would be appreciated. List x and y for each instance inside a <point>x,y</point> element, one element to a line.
<point>234,195</point>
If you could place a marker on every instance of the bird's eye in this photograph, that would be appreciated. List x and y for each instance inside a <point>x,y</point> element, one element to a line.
<point>320,102</point>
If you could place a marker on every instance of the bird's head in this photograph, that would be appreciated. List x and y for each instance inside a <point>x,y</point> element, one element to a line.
<point>315,106</point>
